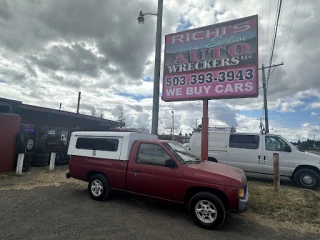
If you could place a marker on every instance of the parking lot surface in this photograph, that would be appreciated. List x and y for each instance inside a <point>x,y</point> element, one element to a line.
<point>58,208</point>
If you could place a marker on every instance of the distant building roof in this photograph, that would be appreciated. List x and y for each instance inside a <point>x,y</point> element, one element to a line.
<point>65,113</point>
<point>27,107</point>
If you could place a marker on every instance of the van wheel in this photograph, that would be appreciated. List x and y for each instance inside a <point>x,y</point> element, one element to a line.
<point>207,210</point>
<point>98,187</point>
<point>307,178</point>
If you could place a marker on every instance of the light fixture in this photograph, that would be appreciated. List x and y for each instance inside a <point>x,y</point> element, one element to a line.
<point>141,18</point>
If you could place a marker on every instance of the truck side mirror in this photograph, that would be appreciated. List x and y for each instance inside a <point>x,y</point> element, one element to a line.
<point>170,163</point>
<point>287,149</point>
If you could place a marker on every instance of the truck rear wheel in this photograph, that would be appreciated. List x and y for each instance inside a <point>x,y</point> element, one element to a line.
<point>207,210</point>
<point>98,187</point>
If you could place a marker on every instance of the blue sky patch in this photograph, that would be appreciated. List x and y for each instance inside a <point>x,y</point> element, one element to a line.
<point>147,79</point>
<point>183,24</point>
<point>135,97</point>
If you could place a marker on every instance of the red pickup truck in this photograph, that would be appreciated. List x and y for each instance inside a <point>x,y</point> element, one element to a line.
<point>141,164</point>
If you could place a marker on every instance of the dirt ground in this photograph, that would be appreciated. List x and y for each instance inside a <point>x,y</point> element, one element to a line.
<point>42,205</point>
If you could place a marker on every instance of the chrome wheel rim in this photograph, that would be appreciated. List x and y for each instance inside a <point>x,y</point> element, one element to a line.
<point>206,211</point>
<point>96,187</point>
<point>307,179</point>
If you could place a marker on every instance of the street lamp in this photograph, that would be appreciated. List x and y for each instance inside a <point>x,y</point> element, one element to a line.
<point>156,80</point>
<point>141,16</point>
<point>172,125</point>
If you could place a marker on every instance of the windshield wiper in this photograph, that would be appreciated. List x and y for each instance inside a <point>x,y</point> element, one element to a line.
<point>195,161</point>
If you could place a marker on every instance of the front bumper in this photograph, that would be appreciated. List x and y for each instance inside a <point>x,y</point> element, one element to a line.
<point>244,202</point>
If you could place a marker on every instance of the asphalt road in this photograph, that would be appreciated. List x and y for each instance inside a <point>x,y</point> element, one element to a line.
<point>65,211</point>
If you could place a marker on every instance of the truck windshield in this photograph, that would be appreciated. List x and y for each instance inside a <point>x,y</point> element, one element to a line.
<point>183,155</point>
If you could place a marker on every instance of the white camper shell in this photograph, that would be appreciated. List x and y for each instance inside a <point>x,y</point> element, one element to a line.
<point>108,145</point>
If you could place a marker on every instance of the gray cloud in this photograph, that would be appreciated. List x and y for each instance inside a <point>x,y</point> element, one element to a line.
<point>51,49</point>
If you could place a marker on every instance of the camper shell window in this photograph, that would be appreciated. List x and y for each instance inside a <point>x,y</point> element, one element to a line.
<point>99,144</point>
<point>244,141</point>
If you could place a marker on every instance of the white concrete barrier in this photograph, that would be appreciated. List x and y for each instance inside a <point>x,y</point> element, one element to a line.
<point>52,161</point>
<point>20,163</point>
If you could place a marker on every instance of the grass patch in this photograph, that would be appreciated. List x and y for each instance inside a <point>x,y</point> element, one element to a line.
<point>292,208</point>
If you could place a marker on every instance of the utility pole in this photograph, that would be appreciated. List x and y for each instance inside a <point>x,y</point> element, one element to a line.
<point>172,125</point>
<point>265,100</point>
<point>261,125</point>
<point>78,106</point>
<point>156,80</point>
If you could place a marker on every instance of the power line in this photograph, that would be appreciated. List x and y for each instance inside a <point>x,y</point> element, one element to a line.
<point>268,29</point>
<point>274,36</point>
<point>294,15</point>
<point>284,52</point>
<point>275,48</point>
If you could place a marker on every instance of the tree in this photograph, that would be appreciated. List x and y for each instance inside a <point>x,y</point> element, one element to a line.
<point>121,118</point>
<point>94,111</point>
<point>199,128</point>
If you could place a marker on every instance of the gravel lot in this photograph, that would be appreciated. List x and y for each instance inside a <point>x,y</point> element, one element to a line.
<point>47,206</point>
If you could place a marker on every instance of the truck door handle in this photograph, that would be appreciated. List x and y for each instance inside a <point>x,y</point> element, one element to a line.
<point>259,157</point>
<point>136,171</point>
<point>264,157</point>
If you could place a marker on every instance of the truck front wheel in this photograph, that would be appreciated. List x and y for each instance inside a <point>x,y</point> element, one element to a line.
<point>98,187</point>
<point>207,210</point>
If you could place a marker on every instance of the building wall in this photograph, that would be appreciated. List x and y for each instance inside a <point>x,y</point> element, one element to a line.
<point>9,129</point>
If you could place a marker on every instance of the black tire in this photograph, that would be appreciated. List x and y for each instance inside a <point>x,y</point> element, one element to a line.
<point>64,156</point>
<point>94,193</point>
<point>210,159</point>
<point>307,178</point>
<point>42,155</point>
<point>213,203</point>
<point>39,163</point>
<point>60,163</point>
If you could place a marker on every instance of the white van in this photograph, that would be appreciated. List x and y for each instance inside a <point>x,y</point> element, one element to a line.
<point>253,152</point>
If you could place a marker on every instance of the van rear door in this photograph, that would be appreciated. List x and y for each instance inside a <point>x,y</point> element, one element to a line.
<point>218,146</point>
<point>245,152</point>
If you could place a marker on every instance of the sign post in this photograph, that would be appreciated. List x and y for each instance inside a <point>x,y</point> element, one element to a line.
<point>205,131</point>
<point>213,62</point>
<point>276,172</point>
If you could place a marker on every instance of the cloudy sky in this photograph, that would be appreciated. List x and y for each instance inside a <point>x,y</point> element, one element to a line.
<point>52,49</point>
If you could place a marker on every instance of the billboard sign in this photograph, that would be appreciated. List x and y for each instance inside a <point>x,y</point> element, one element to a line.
<point>214,62</point>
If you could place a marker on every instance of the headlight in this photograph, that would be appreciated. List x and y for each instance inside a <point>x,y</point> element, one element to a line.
<point>241,193</point>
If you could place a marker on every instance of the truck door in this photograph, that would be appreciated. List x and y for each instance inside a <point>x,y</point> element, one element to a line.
<point>147,174</point>
<point>275,144</point>
<point>245,152</point>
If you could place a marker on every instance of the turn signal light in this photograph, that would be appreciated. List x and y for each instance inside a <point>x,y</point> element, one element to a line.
<point>241,193</point>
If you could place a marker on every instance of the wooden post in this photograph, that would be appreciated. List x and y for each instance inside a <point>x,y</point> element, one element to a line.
<point>276,171</point>
<point>205,131</point>
<point>20,163</point>
<point>52,161</point>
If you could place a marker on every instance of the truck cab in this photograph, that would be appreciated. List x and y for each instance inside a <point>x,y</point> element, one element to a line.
<point>141,164</point>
